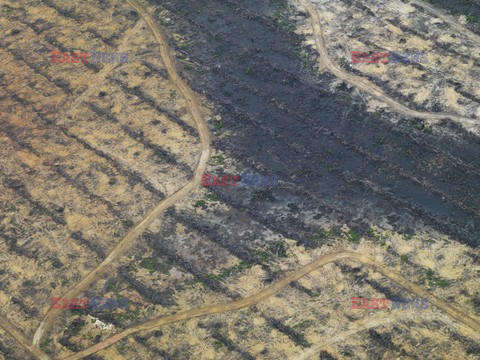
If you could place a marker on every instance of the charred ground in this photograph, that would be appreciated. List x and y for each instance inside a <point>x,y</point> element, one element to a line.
<point>281,117</point>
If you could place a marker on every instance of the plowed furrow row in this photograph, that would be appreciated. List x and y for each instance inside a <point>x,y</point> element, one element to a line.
<point>62,84</point>
<point>147,99</point>
<point>20,189</point>
<point>139,136</point>
<point>132,175</point>
<point>58,169</point>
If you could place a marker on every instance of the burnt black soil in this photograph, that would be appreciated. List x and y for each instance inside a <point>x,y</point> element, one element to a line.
<point>284,121</point>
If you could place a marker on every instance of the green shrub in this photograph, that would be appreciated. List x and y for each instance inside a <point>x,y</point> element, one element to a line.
<point>433,280</point>
<point>127,224</point>
<point>200,203</point>
<point>261,256</point>
<point>111,285</point>
<point>471,18</point>
<point>217,344</point>
<point>442,283</point>
<point>279,249</point>
<point>407,236</point>
<point>149,264</point>
<point>211,197</point>
<point>217,159</point>
<point>44,345</point>
<point>353,236</point>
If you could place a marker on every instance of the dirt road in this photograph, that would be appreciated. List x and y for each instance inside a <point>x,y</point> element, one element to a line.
<point>193,102</point>
<point>273,289</point>
<point>326,64</point>
<point>22,339</point>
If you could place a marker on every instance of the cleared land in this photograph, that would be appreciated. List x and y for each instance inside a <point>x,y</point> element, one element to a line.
<point>101,166</point>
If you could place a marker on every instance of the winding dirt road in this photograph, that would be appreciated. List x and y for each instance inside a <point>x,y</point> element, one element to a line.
<point>361,83</point>
<point>273,289</point>
<point>193,102</point>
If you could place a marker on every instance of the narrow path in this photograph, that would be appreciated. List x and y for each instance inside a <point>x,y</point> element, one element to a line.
<point>358,329</point>
<point>193,102</point>
<point>273,289</point>
<point>367,86</point>
<point>100,76</point>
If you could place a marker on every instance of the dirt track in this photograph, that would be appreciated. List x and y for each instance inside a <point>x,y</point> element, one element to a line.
<point>196,113</point>
<point>369,87</point>
<point>275,288</point>
<point>21,338</point>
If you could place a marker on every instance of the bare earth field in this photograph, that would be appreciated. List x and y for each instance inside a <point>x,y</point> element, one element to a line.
<point>101,164</point>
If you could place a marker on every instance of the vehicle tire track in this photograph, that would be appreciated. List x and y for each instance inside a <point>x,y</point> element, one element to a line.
<point>193,102</point>
<point>276,287</point>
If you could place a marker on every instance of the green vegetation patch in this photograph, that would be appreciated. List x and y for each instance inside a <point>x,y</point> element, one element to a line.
<point>44,346</point>
<point>278,248</point>
<point>217,160</point>
<point>200,203</point>
<point>320,236</point>
<point>419,124</point>
<point>211,197</point>
<point>127,224</point>
<point>111,285</point>
<point>149,264</point>
<point>226,272</point>
<point>433,280</point>
<point>471,19</point>
<point>158,15</point>
<point>353,236</point>
<point>261,257</point>
<point>218,125</point>
<point>281,15</point>
<point>129,314</point>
